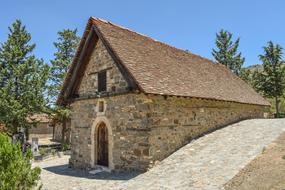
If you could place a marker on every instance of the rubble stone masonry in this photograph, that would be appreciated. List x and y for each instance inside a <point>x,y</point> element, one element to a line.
<point>142,129</point>
<point>147,128</point>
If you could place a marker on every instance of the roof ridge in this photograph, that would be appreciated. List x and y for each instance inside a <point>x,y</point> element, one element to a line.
<point>152,39</point>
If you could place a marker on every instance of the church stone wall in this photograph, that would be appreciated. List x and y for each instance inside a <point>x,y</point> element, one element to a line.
<point>148,128</point>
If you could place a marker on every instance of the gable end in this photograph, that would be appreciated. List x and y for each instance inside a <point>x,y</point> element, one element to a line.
<point>76,72</point>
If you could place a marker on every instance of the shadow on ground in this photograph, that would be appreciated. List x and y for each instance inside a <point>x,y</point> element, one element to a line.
<point>67,171</point>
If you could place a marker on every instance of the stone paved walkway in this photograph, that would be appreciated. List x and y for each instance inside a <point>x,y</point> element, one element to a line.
<point>56,175</point>
<point>207,163</point>
<point>212,160</point>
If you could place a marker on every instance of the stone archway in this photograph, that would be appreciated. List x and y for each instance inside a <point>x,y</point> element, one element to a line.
<point>101,128</point>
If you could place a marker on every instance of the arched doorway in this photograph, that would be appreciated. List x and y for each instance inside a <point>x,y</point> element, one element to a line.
<point>102,145</point>
<point>101,121</point>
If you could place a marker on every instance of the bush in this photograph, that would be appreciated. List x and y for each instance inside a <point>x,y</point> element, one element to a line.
<point>65,147</point>
<point>53,152</point>
<point>16,172</point>
<point>42,152</point>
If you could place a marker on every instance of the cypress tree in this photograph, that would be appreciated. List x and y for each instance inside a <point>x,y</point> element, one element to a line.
<point>66,48</point>
<point>22,80</point>
<point>271,81</point>
<point>226,52</point>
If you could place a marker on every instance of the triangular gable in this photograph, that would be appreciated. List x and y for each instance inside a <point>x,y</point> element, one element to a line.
<point>91,37</point>
<point>101,61</point>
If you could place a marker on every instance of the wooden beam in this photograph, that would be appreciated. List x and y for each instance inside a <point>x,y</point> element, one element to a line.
<point>92,73</point>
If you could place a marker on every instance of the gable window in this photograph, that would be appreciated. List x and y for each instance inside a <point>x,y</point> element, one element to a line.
<point>102,81</point>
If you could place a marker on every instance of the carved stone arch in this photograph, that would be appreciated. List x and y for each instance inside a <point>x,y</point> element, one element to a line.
<point>94,143</point>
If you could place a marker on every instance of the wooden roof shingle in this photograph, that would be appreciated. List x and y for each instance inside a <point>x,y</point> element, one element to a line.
<point>158,68</point>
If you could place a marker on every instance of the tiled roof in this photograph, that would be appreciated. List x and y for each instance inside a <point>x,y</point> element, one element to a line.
<point>41,118</point>
<point>158,68</point>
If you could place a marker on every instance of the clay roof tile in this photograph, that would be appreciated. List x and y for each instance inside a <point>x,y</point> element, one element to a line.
<point>159,68</point>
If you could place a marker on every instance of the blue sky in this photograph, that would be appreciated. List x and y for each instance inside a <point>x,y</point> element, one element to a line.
<point>186,24</point>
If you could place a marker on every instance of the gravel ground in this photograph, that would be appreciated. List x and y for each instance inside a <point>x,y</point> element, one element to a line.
<point>206,163</point>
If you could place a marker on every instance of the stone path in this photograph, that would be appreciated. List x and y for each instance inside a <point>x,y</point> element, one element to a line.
<point>207,163</point>
<point>212,160</point>
<point>56,175</point>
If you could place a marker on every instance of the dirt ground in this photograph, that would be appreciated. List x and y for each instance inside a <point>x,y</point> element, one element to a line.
<point>267,171</point>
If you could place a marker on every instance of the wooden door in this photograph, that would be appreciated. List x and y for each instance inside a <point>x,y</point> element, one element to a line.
<point>102,145</point>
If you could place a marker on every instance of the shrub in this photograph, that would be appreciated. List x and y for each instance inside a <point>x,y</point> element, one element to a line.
<point>53,152</point>
<point>16,172</point>
<point>65,147</point>
<point>42,152</point>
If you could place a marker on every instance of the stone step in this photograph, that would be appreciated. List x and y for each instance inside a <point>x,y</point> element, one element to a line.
<point>99,169</point>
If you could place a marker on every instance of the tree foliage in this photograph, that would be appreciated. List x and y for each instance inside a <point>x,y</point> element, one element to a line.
<point>246,75</point>
<point>66,48</point>
<point>16,172</point>
<point>226,52</point>
<point>271,81</point>
<point>22,79</point>
<point>61,115</point>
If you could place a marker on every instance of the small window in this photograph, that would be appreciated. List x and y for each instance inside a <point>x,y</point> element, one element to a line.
<point>102,81</point>
<point>101,106</point>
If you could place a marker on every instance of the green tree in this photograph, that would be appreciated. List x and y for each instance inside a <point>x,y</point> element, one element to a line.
<point>246,75</point>
<point>22,80</point>
<point>226,52</point>
<point>66,48</point>
<point>62,115</point>
<point>271,81</point>
<point>16,172</point>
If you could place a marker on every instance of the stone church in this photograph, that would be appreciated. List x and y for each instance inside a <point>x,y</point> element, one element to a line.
<point>136,100</point>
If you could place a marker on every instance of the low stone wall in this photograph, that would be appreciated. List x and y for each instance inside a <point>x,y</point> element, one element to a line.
<point>147,128</point>
<point>43,130</point>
